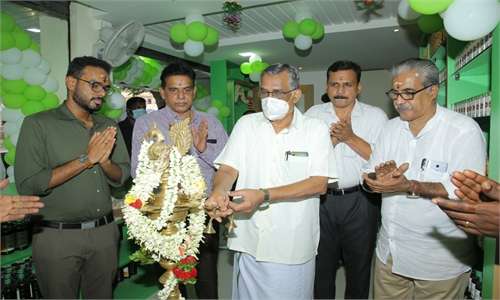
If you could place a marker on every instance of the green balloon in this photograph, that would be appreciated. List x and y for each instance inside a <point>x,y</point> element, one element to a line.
<point>18,28</point>
<point>31,107</point>
<point>197,31</point>
<point>256,66</point>
<point>8,144</point>
<point>35,93</point>
<point>147,68</point>
<point>212,37</point>
<point>430,23</point>
<point>7,40</point>
<point>307,26</point>
<point>178,33</point>
<point>199,94</point>
<point>429,7</point>
<point>154,72</point>
<point>14,101</point>
<point>7,22</point>
<point>127,65</point>
<point>50,101</point>
<point>206,92</point>
<point>219,117</point>
<point>104,109</point>
<point>144,76</point>
<point>291,29</point>
<point>148,79</point>
<point>245,68</point>
<point>23,40</point>
<point>114,113</point>
<point>217,103</point>
<point>34,46</point>
<point>137,82</point>
<point>224,111</point>
<point>320,31</point>
<point>14,86</point>
<point>10,157</point>
<point>264,66</point>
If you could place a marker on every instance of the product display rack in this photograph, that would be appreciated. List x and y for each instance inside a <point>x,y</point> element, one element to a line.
<point>139,286</point>
<point>473,72</point>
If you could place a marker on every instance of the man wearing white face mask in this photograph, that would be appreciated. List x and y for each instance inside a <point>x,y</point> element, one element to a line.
<point>136,107</point>
<point>283,161</point>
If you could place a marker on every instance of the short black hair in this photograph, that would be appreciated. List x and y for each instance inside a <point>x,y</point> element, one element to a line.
<point>249,112</point>
<point>134,100</point>
<point>325,98</point>
<point>343,65</point>
<point>77,65</point>
<point>175,69</point>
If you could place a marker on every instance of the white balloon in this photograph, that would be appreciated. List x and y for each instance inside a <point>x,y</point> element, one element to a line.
<point>205,106</point>
<point>128,79</point>
<point>213,111</point>
<point>254,76</point>
<point>10,128</point>
<point>467,20</point>
<point>51,85</point>
<point>301,15</point>
<point>140,64</point>
<point>193,48</point>
<point>10,173</point>
<point>31,58</point>
<point>442,14</point>
<point>14,137</point>
<point>193,17</point>
<point>19,122</point>
<point>11,56</point>
<point>132,70</point>
<point>133,60</point>
<point>254,58</point>
<point>11,115</point>
<point>406,12</point>
<point>44,65</point>
<point>303,42</point>
<point>35,76</point>
<point>138,73</point>
<point>13,72</point>
<point>115,101</point>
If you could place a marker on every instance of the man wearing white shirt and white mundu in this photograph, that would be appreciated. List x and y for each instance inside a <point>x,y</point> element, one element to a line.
<point>421,253</point>
<point>283,161</point>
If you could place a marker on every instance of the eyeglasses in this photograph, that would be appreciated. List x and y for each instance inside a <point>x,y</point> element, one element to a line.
<point>97,86</point>
<point>277,94</point>
<point>393,95</point>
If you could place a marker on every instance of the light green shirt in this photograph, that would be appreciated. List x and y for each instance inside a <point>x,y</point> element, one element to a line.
<point>52,138</point>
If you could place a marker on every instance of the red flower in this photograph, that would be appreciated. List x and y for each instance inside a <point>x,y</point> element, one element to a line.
<point>188,260</point>
<point>137,204</point>
<point>185,276</point>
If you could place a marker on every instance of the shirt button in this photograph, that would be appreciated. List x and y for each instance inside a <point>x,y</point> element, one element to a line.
<point>98,191</point>
<point>95,172</point>
<point>98,209</point>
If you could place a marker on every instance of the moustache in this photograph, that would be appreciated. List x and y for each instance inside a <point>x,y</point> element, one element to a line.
<point>403,107</point>
<point>340,97</point>
<point>97,98</point>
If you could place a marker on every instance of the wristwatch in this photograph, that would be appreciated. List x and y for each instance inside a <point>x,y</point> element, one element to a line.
<point>86,160</point>
<point>416,191</point>
<point>265,203</point>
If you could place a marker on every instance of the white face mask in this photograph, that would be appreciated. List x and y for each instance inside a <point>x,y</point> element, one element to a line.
<point>275,109</point>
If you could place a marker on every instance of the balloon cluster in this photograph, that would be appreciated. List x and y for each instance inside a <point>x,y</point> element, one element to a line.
<point>27,87</point>
<point>202,102</point>
<point>464,20</point>
<point>253,67</point>
<point>139,71</point>
<point>304,30</point>
<point>195,35</point>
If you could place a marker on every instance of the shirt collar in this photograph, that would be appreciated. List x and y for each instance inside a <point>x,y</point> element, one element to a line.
<point>430,124</point>
<point>64,113</point>
<point>171,115</point>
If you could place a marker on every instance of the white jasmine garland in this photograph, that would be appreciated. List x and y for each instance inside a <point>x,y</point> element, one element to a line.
<point>184,171</point>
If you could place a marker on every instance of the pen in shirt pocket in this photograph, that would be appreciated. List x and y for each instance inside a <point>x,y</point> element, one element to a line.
<point>295,153</point>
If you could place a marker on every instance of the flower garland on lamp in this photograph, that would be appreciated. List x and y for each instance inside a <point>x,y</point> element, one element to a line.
<point>168,189</point>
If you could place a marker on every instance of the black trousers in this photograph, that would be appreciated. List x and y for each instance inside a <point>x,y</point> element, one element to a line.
<point>207,279</point>
<point>348,229</point>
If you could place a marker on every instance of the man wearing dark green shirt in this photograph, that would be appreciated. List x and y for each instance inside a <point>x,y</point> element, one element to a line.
<point>69,156</point>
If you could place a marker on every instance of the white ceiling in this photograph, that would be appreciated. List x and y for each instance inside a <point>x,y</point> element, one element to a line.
<point>355,31</point>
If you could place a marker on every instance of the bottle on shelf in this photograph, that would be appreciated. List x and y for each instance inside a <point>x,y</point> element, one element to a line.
<point>132,268</point>
<point>8,242</point>
<point>9,291</point>
<point>35,289</point>
<point>21,234</point>
<point>23,287</point>
<point>126,273</point>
